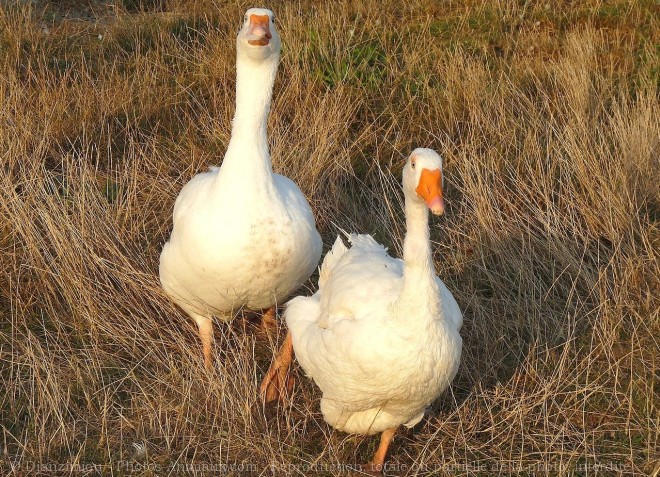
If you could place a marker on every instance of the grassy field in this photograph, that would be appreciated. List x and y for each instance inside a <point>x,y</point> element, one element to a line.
<point>547,116</point>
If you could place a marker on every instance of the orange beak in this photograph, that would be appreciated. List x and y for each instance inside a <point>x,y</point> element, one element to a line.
<point>259,32</point>
<point>430,189</point>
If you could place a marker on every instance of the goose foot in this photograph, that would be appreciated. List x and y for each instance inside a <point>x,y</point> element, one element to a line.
<point>278,382</point>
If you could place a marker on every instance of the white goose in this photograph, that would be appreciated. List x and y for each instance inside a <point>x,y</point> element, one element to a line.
<point>380,336</point>
<point>243,236</point>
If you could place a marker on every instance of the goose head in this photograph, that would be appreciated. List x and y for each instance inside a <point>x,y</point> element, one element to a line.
<point>258,39</point>
<point>423,179</point>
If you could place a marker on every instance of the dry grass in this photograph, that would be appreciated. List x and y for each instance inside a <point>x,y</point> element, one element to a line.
<point>548,118</point>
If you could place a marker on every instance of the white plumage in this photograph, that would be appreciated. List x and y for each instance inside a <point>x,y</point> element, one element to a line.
<point>378,368</point>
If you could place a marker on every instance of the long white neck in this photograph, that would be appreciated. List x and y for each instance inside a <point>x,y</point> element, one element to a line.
<point>420,297</point>
<point>248,147</point>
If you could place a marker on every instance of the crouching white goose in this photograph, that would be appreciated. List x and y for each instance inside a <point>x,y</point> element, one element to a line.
<point>243,236</point>
<point>380,336</point>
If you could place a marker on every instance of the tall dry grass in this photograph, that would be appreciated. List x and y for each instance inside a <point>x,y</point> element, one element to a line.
<point>547,116</point>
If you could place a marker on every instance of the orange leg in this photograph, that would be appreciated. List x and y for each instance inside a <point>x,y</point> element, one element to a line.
<point>376,465</point>
<point>268,321</point>
<point>206,335</point>
<point>278,382</point>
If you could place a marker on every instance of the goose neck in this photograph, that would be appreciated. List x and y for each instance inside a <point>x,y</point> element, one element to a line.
<point>254,88</point>
<point>420,291</point>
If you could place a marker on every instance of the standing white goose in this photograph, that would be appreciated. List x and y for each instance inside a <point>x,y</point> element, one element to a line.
<point>381,335</point>
<point>243,236</point>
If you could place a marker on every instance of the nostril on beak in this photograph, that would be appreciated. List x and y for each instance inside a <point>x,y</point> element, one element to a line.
<point>268,35</point>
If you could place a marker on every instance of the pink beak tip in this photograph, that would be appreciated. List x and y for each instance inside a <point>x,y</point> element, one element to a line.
<point>437,206</point>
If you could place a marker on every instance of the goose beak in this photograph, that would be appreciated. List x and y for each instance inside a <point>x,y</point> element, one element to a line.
<point>430,189</point>
<point>259,30</point>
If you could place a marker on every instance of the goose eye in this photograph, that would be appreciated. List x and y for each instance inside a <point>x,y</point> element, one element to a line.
<point>245,18</point>
<point>273,19</point>
<point>412,164</point>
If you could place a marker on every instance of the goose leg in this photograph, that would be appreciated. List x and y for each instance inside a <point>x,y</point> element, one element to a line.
<point>375,467</point>
<point>268,321</point>
<point>205,326</point>
<point>278,382</point>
